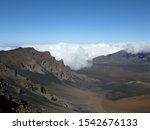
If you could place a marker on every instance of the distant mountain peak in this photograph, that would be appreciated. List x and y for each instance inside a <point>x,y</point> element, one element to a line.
<point>122,57</point>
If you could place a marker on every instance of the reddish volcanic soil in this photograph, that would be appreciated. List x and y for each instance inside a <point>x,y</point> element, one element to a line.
<point>132,104</point>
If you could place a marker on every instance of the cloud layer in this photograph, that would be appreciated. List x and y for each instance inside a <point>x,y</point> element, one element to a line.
<point>78,56</point>
<point>137,47</point>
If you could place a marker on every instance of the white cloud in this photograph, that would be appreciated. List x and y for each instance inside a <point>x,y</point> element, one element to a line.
<point>137,47</point>
<point>77,56</point>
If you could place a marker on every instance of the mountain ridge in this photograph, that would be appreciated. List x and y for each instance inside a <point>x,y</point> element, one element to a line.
<point>123,57</point>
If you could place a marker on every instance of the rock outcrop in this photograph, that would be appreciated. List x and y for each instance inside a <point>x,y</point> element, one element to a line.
<point>26,73</point>
<point>34,61</point>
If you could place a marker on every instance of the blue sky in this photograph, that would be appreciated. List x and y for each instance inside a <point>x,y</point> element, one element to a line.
<point>75,21</point>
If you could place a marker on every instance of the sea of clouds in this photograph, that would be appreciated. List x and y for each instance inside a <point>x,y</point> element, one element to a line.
<point>78,56</point>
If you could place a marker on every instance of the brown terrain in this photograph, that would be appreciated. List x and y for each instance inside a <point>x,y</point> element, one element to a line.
<point>125,79</point>
<point>32,81</point>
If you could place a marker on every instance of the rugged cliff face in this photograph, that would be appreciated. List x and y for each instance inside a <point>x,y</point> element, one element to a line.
<point>32,81</point>
<point>25,74</point>
<point>28,59</point>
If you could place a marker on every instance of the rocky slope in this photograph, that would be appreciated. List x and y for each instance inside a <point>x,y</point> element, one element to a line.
<point>24,73</point>
<point>123,58</point>
<point>32,81</point>
<point>31,60</point>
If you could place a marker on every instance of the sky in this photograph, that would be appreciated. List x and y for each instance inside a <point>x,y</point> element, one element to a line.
<point>73,21</point>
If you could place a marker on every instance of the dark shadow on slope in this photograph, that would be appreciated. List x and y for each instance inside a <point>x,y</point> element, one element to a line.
<point>7,106</point>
